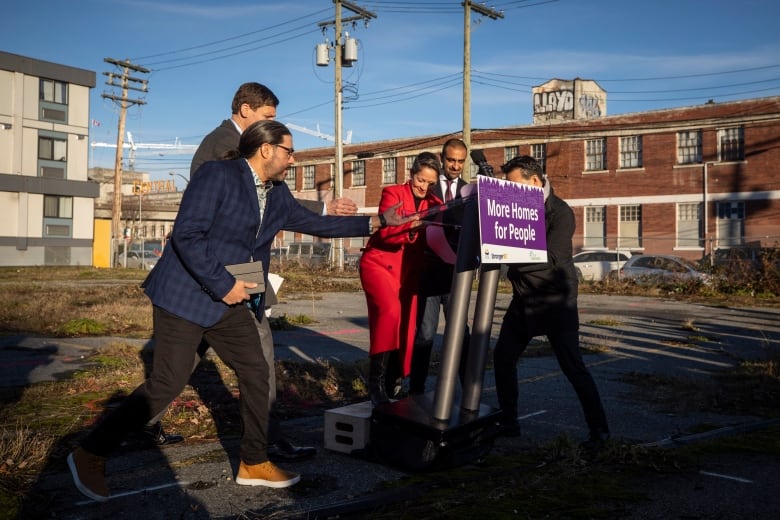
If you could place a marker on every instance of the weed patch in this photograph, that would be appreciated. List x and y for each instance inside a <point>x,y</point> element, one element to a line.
<point>752,388</point>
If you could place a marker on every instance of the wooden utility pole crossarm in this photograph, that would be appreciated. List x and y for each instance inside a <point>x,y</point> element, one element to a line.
<point>125,82</point>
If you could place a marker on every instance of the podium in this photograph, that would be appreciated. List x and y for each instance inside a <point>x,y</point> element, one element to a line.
<point>440,429</point>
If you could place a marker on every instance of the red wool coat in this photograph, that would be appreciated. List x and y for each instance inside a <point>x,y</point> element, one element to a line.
<point>389,272</point>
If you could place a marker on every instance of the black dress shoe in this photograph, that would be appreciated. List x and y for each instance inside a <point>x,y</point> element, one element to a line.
<point>284,451</point>
<point>508,428</point>
<point>596,441</point>
<point>155,435</point>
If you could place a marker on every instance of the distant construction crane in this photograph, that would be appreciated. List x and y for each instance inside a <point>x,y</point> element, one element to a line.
<point>317,133</point>
<point>176,147</point>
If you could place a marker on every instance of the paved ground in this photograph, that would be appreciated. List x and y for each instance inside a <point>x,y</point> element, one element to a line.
<point>641,335</point>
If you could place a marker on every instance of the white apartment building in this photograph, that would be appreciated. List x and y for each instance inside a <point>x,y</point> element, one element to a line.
<point>46,198</point>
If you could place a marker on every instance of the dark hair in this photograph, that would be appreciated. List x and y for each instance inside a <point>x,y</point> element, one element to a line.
<point>426,160</point>
<point>529,167</point>
<point>255,95</point>
<point>256,135</point>
<point>452,143</point>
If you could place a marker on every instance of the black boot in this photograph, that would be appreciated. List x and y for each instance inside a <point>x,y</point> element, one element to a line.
<point>377,373</point>
<point>393,376</point>
<point>421,361</point>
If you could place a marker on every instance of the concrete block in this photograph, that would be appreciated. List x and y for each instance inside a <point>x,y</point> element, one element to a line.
<point>348,428</point>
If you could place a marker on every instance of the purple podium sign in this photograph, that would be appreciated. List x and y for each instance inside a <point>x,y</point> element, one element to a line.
<point>511,222</point>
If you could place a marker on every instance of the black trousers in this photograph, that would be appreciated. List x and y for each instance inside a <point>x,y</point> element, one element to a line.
<point>235,340</point>
<point>267,347</point>
<point>427,324</point>
<point>516,333</point>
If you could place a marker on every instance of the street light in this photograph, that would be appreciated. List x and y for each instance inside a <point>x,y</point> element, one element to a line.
<point>186,180</point>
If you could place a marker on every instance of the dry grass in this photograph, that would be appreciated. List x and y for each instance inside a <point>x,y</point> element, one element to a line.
<point>41,422</point>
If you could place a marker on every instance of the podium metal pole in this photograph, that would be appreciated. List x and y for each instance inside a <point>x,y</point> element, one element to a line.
<point>480,336</point>
<point>463,277</point>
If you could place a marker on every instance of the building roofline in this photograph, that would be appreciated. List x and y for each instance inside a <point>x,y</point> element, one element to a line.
<point>47,69</point>
<point>552,129</point>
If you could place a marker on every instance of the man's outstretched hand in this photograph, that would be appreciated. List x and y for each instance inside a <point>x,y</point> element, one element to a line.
<point>341,207</point>
<point>394,218</point>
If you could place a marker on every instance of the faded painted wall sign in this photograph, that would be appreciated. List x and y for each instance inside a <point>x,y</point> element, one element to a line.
<point>555,101</point>
<point>565,100</point>
<point>589,106</point>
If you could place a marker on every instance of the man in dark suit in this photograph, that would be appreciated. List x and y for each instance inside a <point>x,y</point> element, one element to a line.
<point>436,276</point>
<point>252,102</point>
<point>544,303</point>
<point>229,214</point>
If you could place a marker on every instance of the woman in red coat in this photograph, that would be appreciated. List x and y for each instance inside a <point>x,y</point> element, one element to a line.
<point>389,272</point>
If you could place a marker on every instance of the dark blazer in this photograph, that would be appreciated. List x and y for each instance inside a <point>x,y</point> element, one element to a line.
<point>219,224</point>
<point>547,292</point>
<point>224,138</point>
<point>436,275</point>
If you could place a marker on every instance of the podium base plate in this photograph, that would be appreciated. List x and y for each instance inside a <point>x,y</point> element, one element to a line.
<point>405,434</point>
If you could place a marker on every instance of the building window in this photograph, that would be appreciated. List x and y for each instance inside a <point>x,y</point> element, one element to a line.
<point>689,225</point>
<point>595,227</point>
<point>309,175</point>
<point>53,101</point>
<point>689,147</point>
<point>52,156</point>
<point>539,152</point>
<point>631,151</point>
<point>630,231</point>
<point>595,154</point>
<point>408,163</point>
<point>473,171</point>
<point>358,173</point>
<point>731,223</point>
<point>731,144</point>
<point>510,152</point>
<point>388,170</point>
<point>56,255</point>
<point>290,178</point>
<point>57,216</point>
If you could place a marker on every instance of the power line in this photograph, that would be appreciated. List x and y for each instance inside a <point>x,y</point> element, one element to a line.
<point>238,37</point>
<point>304,31</point>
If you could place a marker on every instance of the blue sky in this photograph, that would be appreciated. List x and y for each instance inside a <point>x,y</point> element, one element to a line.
<point>407,82</point>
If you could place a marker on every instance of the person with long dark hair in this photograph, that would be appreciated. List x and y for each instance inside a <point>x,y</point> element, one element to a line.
<point>230,214</point>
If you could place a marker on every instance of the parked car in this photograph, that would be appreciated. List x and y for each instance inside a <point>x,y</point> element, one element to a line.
<point>308,253</point>
<point>278,252</point>
<point>655,268</point>
<point>596,265</point>
<point>138,260</point>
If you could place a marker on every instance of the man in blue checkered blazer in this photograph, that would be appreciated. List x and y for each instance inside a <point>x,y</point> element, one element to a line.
<point>220,222</point>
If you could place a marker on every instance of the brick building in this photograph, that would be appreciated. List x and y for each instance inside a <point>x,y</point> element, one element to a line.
<point>681,181</point>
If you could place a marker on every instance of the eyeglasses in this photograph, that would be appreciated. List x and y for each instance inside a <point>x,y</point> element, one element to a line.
<point>290,151</point>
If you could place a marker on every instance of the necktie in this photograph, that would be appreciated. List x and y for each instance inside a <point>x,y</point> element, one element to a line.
<point>448,195</point>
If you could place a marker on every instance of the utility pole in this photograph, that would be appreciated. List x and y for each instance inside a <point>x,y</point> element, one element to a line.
<point>468,6</point>
<point>126,82</point>
<point>340,59</point>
